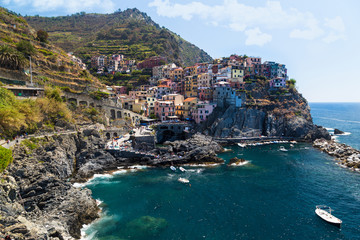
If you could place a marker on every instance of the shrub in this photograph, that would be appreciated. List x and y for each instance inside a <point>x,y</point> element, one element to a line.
<point>98,95</point>
<point>53,93</point>
<point>5,158</point>
<point>42,35</point>
<point>26,48</point>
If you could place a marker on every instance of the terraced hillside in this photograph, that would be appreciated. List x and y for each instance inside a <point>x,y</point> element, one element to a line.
<point>130,32</point>
<point>50,65</point>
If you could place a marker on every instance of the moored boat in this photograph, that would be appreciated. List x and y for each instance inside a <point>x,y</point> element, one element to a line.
<point>173,168</point>
<point>282,148</point>
<point>182,169</point>
<point>324,212</point>
<point>183,180</point>
<point>241,145</point>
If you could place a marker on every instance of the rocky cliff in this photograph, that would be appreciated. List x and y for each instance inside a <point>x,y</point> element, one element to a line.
<point>37,198</point>
<point>279,113</point>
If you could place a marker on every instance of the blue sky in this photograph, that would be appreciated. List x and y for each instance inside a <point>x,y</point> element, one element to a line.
<point>317,40</point>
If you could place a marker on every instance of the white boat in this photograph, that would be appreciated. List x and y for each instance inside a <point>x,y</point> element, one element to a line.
<point>241,145</point>
<point>183,180</point>
<point>324,212</point>
<point>282,148</point>
<point>292,145</point>
<point>173,168</point>
<point>182,169</point>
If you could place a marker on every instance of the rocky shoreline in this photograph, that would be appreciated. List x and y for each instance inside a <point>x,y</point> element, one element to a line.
<point>38,198</point>
<point>345,155</point>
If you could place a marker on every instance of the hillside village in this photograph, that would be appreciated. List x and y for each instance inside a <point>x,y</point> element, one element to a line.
<point>191,93</point>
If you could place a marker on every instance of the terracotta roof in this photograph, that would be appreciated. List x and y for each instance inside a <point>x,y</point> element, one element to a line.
<point>190,99</point>
<point>163,86</point>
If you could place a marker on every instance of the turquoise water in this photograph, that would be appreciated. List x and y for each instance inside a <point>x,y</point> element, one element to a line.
<point>273,197</point>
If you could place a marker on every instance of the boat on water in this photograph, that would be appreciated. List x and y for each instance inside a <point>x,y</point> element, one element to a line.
<point>241,145</point>
<point>182,169</point>
<point>282,148</point>
<point>183,180</point>
<point>324,212</point>
<point>173,168</point>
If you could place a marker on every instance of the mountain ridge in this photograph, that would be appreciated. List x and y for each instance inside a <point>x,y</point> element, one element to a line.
<point>129,32</point>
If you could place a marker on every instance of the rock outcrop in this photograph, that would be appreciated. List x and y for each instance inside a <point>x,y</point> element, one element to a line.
<point>199,149</point>
<point>337,131</point>
<point>267,115</point>
<point>37,198</point>
<point>345,155</point>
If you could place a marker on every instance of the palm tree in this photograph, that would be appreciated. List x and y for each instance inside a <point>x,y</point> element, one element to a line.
<point>11,58</point>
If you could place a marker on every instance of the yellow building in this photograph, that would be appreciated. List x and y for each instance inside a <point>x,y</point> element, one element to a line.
<point>188,105</point>
<point>139,106</point>
<point>191,86</point>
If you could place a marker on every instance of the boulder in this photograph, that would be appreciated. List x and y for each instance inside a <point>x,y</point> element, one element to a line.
<point>337,131</point>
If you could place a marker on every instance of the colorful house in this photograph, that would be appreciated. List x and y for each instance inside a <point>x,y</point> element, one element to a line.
<point>150,105</point>
<point>202,111</point>
<point>189,104</point>
<point>162,90</point>
<point>277,83</point>
<point>205,93</point>
<point>164,110</point>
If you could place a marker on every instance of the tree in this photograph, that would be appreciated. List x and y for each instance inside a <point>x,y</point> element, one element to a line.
<point>42,36</point>
<point>11,58</point>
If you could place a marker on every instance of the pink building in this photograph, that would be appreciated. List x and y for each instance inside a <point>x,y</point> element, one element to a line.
<point>164,109</point>
<point>203,110</point>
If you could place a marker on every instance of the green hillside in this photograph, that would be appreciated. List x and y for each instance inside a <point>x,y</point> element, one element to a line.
<point>50,65</point>
<point>130,32</point>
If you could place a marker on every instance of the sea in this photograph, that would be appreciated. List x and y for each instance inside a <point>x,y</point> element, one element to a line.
<point>274,196</point>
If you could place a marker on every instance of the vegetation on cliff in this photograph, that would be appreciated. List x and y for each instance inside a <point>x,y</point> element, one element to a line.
<point>5,158</point>
<point>27,116</point>
<point>130,32</point>
<point>50,64</point>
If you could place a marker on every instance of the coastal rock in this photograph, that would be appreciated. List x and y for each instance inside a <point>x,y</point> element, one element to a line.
<point>199,149</point>
<point>236,161</point>
<point>267,115</point>
<point>337,131</point>
<point>38,201</point>
<point>344,154</point>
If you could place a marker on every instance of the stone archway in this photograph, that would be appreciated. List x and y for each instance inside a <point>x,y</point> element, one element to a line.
<point>83,103</point>
<point>108,136</point>
<point>72,101</point>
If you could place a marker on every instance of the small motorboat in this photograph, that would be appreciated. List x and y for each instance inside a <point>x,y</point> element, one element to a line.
<point>173,168</point>
<point>282,148</point>
<point>241,145</point>
<point>182,169</point>
<point>183,180</point>
<point>324,212</point>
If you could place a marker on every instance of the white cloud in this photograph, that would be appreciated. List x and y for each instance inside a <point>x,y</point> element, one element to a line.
<point>256,37</point>
<point>240,17</point>
<point>337,30</point>
<point>65,6</point>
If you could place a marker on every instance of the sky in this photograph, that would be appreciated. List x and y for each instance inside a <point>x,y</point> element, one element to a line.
<point>317,40</point>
